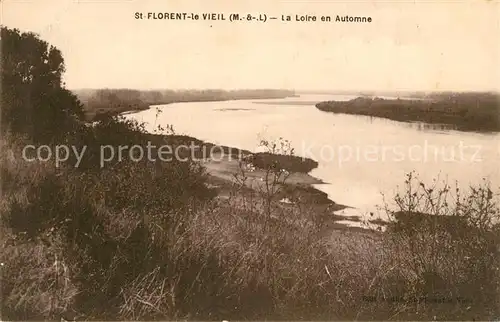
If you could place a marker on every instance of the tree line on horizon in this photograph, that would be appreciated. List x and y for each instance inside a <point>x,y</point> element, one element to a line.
<point>101,101</point>
<point>466,111</point>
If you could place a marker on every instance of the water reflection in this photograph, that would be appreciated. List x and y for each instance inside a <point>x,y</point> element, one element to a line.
<point>421,126</point>
<point>415,125</point>
<point>233,109</point>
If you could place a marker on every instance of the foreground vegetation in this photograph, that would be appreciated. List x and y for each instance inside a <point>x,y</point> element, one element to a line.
<point>465,111</point>
<point>153,240</point>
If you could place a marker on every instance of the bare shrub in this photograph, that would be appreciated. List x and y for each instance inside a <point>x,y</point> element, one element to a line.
<point>443,245</point>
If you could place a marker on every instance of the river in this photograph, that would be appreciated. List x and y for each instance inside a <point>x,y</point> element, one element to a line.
<point>360,158</point>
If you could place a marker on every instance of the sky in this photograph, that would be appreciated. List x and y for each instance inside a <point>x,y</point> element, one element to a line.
<point>409,45</point>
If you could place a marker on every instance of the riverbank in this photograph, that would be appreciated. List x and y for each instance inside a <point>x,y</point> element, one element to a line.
<point>463,111</point>
<point>227,165</point>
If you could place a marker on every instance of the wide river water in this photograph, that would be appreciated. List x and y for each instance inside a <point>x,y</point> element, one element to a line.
<point>360,158</point>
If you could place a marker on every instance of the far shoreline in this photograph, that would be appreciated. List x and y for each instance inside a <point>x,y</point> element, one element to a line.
<point>100,102</point>
<point>467,112</point>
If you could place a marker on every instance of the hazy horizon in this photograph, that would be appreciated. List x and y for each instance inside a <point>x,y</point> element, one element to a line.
<point>408,47</point>
<point>317,90</point>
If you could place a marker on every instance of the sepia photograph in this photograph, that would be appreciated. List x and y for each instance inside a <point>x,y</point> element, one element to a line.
<point>280,160</point>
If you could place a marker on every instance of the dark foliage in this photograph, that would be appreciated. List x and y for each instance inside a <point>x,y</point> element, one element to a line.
<point>34,100</point>
<point>465,111</point>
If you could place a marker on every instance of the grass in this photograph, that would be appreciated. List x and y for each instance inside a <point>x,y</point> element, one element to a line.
<point>144,241</point>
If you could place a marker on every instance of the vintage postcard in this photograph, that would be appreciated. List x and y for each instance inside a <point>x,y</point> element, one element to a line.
<point>250,160</point>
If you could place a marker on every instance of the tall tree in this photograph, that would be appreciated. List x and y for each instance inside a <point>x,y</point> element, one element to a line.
<point>34,100</point>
